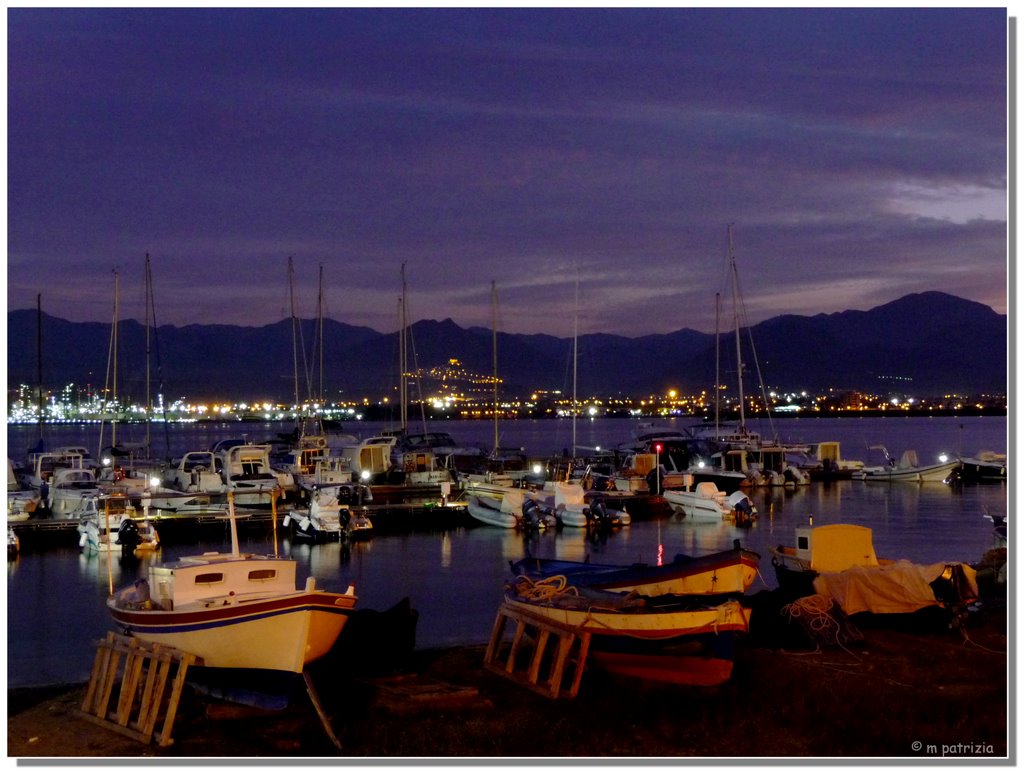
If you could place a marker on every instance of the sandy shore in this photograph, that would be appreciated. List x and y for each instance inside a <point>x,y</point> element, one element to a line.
<point>896,694</point>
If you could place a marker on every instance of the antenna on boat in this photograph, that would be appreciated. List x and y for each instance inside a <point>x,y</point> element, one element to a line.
<point>234,527</point>
<point>273,515</point>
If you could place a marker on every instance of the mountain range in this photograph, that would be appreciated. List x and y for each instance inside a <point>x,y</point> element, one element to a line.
<point>925,344</point>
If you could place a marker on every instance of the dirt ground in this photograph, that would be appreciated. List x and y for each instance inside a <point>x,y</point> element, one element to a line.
<point>897,693</point>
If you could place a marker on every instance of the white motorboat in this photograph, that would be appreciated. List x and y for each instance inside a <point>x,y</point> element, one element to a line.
<point>705,502</point>
<point>330,515</point>
<point>908,469</point>
<point>246,471</point>
<point>73,492</point>
<point>571,508</point>
<point>115,528</point>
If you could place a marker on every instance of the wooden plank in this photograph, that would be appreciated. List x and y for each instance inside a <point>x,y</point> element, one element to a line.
<point>98,668</point>
<point>135,660</point>
<point>538,655</point>
<point>517,641</point>
<point>581,661</point>
<point>149,713</point>
<point>497,634</point>
<point>172,703</point>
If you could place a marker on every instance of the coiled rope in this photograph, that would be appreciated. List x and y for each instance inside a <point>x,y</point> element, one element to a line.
<point>544,589</point>
<point>814,613</point>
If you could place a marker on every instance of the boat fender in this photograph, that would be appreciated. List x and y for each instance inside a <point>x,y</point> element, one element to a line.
<point>287,519</point>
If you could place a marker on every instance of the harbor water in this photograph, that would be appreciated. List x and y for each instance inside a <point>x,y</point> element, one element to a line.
<point>56,597</point>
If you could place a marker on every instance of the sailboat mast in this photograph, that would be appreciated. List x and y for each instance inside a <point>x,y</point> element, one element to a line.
<point>39,363</point>
<point>575,353</point>
<point>403,388</point>
<point>295,346</point>
<point>113,425</point>
<point>320,336</point>
<point>718,378</point>
<point>494,357</point>
<point>736,329</point>
<point>149,403</point>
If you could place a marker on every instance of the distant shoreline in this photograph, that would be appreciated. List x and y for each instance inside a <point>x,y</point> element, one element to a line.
<point>370,416</point>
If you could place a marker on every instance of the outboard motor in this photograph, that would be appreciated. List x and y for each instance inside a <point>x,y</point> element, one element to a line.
<point>744,512</point>
<point>128,536</point>
<point>599,517</point>
<point>531,513</point>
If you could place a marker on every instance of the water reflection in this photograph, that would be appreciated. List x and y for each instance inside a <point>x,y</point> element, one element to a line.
<point>455,578</point>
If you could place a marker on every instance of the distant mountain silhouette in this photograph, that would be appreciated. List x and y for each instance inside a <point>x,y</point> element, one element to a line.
<point>925,343</point>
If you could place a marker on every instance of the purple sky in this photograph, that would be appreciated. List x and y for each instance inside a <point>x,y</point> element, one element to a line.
<point>860,154</point>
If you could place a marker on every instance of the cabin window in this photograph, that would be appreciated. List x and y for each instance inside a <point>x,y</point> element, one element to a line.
<point>251,468</point>
<point>802,543</point>
<point>257,575</point>
<point>209,577</point>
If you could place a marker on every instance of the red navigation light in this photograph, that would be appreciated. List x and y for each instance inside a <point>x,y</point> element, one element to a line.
<point>657,448</point>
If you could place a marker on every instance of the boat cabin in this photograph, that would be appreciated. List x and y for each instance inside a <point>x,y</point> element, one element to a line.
<point>833,548</point>
<point>210,579</point>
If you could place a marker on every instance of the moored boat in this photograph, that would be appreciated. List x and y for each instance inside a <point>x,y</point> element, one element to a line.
<point>330,514</point>
<point>707,503</point>
<point>908,469</point>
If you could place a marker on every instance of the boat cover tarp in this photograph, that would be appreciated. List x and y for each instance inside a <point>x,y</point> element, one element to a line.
<point>568,494</point>
<point>897,587</point>
<point>512,501</point>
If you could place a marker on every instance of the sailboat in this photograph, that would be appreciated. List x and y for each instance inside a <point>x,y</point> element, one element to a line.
<point>308,458</point>
<point>744,458</point>
<point>504,468</point>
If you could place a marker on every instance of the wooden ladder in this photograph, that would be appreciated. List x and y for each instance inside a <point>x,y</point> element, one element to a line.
<point>569,648</point>
<point>144,670</point>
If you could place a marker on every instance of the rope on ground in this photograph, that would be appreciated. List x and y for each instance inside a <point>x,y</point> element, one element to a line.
<point>969,641</point>
<point>823,622</point>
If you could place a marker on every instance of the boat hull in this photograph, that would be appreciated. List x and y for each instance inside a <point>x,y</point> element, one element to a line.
<point>929,474</point>
<point>492,517</point>
<point>725,572</point>
<point>293,630</point>
<point>641,623</point>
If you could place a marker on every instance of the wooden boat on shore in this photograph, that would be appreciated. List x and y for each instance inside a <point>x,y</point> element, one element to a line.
<point>838,561</point>
<point>234,610</point>
<point>670,638</point>
<point>723,572</point>
<point>625,614</point>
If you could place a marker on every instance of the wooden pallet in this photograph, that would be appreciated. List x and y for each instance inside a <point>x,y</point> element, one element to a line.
<point>144,671</point>
<point>555,645</point>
